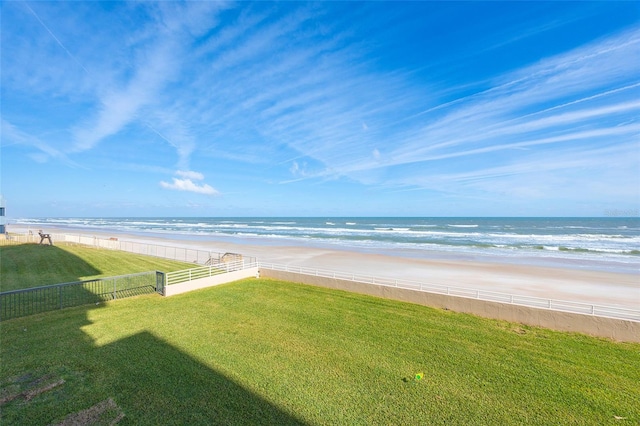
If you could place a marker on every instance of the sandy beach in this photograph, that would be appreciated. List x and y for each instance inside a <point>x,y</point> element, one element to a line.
<point>569,282</point>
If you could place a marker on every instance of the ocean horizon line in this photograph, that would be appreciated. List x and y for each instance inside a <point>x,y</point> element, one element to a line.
<point>632,215</point>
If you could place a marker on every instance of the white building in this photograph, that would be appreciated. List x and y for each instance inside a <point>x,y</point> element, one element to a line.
<point>3,223</point>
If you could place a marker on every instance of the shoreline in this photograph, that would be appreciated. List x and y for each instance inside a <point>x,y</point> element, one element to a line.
<point>545,257</point>
<point>568,281</point>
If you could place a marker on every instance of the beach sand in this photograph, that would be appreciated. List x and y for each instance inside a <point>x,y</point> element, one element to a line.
<point>562,282</point>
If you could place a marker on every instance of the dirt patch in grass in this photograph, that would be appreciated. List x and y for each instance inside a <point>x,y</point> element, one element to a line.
<point>106,412</point>
<point>28,386</point>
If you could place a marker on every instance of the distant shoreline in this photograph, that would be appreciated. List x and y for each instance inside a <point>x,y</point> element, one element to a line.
<point>560,280</point>
<point>579,243</point>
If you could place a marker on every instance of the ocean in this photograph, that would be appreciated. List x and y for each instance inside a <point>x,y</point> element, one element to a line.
<point>611,243</point>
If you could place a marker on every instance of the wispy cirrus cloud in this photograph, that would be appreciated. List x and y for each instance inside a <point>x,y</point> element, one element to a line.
<point>315,100</point>
<point>189,174</point>
<point>129,80</point>
<point>45,151</point>
<point>121,106</point>
<point>311,93</point>
<point>583,98</point>
<point>564,178</point>
<point>509,109</point>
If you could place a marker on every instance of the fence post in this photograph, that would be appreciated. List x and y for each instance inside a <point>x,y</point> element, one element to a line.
<point>160,282</point>
<point>114,289</point>
<point>60,295</point>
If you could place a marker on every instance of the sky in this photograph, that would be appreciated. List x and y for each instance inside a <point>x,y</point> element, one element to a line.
<point>217,109</point>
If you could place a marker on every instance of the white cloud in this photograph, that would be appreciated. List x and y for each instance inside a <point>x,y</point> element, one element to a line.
<point>138,93</point>
<point>580,99</point>
<point>189,186</point>
<point>298,170</point>
<point>120,106</point>
<point>188,174</point>
<point>185,182</point>
<point>270,84</point>
<point>12,134</point>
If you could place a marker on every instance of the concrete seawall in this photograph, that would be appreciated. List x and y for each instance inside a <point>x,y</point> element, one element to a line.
<point>615,329</point>
<point>197,284</point>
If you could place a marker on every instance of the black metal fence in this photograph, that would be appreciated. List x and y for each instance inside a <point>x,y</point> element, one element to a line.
<point>19,303</point>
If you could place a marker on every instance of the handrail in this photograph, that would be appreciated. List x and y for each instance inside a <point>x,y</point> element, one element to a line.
<point>184,275</point>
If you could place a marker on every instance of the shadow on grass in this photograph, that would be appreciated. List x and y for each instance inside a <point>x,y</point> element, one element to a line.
<point>179,389</point>
<point>33,265</point>
<point>52,372</point>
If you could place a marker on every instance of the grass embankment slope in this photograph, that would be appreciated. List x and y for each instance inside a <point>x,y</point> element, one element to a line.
<point>271,352</point>
<point>33,265</point>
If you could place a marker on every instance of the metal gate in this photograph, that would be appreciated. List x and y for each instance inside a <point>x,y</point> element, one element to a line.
<point>160,282</point>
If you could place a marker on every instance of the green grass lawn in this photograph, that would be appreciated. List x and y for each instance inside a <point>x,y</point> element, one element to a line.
<point>269,352</point>
<point>33,265</point>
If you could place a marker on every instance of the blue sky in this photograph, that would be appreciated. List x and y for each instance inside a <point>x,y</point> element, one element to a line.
<point>320,109</point>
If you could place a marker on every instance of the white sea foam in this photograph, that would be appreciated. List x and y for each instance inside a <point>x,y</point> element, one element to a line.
<point>617,240</point>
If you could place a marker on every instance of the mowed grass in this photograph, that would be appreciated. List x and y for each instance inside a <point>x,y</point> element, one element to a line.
<point>270,352</point>
<point>33,265</point>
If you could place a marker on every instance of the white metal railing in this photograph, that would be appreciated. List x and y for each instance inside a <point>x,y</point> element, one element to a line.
<point>219,267</point>
<point>182,254</point>
<point>485,295</point>
<point>185,275</point>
